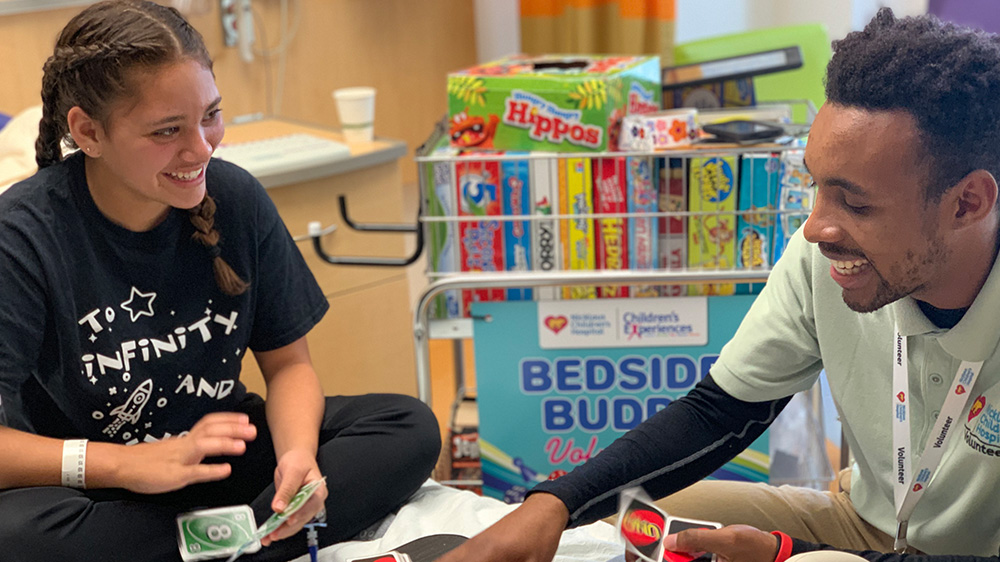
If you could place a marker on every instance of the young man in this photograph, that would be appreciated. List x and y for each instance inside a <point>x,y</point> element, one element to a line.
<point>893,272</point>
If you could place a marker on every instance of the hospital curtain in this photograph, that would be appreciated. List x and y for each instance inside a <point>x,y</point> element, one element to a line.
<point>599,27</point>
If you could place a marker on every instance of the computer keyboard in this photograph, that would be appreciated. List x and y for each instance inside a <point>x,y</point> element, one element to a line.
<point>282,154</point>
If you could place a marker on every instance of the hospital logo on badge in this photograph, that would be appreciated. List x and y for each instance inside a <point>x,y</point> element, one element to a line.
<point>982,430</point>
<point>959,390</point>
<point>901,396</point>
<point>917,487</point>
<point>977,407</point>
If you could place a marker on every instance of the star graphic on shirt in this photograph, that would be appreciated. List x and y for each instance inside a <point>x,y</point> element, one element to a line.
<point>92,338</point>
<point>93,380</point>
<point>112,391</point>
<point>208,312</point>
<point>138,311</point>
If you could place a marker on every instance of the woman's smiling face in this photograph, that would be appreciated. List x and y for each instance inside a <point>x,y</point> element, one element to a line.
<point>154,152</point>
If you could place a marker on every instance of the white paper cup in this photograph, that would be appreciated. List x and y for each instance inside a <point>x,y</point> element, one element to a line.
<point>356,107</point>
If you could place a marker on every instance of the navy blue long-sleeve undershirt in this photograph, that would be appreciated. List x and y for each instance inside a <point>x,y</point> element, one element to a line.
<point>676,447</point>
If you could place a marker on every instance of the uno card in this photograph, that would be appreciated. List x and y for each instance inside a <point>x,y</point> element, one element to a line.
<point>214,533</point>
<point>275,521</point>
<point>678,524</point>
<point>642,524</point>
<point>392,556</point>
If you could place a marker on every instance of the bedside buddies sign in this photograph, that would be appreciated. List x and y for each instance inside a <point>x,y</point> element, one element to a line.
<point>544,410</point>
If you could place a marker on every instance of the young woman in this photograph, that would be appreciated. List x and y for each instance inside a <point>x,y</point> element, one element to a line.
<point>135,274</point>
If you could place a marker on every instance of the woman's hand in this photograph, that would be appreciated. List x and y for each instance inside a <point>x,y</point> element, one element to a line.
<point>734,543</point>
<point>172,464</point>
<point>296,468</point>
<point>530,533</point>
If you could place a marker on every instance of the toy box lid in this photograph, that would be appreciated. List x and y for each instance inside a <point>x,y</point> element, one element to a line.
<point>562,67</point>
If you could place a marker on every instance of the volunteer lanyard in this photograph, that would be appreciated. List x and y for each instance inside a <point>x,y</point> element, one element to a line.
<point>907,492</point>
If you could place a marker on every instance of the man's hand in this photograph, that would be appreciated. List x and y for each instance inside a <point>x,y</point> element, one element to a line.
<point>528,534</point>
<point>735,543</point>
<point>295,469</point>
<point>172,464</point>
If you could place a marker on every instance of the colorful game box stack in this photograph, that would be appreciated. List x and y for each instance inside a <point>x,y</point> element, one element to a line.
<point>518,133</point>
<point>571,103</point>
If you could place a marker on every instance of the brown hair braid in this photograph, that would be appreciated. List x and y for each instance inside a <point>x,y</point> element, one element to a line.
<point>203,219</point>
<point>95,64</point>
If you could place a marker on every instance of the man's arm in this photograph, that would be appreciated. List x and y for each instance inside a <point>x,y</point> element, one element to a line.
<point>673,449</point>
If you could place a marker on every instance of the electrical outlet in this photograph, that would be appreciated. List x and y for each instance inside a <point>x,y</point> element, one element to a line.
<point>230,13</point>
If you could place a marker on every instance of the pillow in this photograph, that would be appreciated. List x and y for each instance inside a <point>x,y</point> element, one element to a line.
<point>17,146</point>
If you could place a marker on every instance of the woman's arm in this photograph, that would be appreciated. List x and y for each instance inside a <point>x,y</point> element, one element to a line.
<point>149,468</point>
<point>294,408</point>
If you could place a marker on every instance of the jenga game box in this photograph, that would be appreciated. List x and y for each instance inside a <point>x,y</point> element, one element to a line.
<point>564,103</point>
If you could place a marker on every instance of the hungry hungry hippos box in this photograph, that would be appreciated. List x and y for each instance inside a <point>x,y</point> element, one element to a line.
<point>565,103</point>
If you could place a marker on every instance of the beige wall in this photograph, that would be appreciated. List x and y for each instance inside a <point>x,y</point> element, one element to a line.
<point>401,47</point>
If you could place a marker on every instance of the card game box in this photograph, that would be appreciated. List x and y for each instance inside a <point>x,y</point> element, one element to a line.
<point>576,174</point>
<point>566,103</point>
<point>673,241</point>
<point>796,195</point>
<point>725,93</point>
<point>440,200</point>
<point>661,130</point>
<point>480,240</point>
<point>515,181</point>
<point>711,237</point>
<point>611,236</point>
<point>546,254</point>
<point>758,203</point>
<point>643,252</point>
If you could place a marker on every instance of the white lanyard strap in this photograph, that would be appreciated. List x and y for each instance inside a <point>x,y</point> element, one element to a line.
<point>908,490</point>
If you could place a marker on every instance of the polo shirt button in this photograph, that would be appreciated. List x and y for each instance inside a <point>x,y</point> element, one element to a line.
<point>936,378</point>
<point>935,414</point>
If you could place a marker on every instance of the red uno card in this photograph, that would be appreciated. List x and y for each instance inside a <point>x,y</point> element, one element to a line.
<point>642,524</point>
<point>387,557</point>
<point>678,524</point>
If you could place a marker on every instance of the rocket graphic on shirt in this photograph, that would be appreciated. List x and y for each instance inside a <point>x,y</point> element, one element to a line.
<point>149,359</point>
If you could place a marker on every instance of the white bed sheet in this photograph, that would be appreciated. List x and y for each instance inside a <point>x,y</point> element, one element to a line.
<point>438,509</point>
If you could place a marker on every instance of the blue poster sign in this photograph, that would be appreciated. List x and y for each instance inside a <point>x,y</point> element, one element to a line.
<point>544,411</point>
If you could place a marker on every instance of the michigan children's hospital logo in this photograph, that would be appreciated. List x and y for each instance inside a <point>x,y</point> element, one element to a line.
<point>982,428</point>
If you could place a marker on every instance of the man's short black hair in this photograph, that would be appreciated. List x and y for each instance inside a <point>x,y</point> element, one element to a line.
<point>946,76</point>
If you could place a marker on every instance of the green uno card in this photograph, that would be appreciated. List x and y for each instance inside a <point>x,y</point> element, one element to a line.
<point>275,521</point>
<point>218,532</point>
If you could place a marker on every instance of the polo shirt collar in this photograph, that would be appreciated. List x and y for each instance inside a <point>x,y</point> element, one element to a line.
<point>975,337</point>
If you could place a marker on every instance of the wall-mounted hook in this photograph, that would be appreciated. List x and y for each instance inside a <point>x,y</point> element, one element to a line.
<point>317,238</point>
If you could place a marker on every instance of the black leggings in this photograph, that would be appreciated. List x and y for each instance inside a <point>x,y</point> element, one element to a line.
<point>375,451</point>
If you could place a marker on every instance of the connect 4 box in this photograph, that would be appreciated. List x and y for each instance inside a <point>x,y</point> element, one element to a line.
<point>712,194</point>
<point>553,102</point>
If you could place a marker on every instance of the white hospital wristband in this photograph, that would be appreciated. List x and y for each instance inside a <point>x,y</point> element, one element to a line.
<point>74,463</point>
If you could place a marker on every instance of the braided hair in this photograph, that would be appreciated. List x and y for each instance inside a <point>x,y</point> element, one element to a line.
<point>946,76</point>
<point>94,65</point>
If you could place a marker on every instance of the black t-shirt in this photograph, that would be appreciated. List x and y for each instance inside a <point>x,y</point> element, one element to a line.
<point>122,336</point>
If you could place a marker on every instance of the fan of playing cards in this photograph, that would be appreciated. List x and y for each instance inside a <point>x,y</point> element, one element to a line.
<point>232,531</point>
<point>643,525</point>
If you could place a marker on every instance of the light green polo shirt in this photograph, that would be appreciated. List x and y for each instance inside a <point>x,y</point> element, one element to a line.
<point>799,325</point>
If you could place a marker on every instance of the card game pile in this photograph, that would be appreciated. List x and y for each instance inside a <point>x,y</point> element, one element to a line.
<point>231,531</point>
<point>644,526</point>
